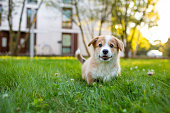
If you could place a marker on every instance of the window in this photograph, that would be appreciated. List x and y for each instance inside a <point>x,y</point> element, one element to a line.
<point>69,43</point>
<point>4,42</point>
<point>67,18</point>
<point>66,44</point>
<point>22,42</point>
<point>29,16</point>
<point>67,1</point>
<point>0,14</point>
<point>32,1</point>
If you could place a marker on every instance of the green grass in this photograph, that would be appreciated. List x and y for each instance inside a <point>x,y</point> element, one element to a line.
<point>32,86</point>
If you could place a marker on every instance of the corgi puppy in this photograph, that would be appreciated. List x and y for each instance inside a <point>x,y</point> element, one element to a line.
<point>104,63</point>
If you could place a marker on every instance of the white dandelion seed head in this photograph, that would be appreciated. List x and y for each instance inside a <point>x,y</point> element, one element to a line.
<point>72,79</point>
<point>5,95</point>
<point>152,70</point>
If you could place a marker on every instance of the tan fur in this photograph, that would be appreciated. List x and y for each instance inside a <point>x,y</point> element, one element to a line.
<point>93,41</point>
<point>119,44</point>
<point>79,57</point>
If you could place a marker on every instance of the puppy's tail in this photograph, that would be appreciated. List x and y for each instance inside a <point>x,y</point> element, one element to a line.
<point>79,56</point>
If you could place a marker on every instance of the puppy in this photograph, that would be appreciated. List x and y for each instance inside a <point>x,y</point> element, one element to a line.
<point>104,64</point>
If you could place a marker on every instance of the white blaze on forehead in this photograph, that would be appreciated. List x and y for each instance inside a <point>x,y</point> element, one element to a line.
<point>106,46</point>
<point>107,38</point>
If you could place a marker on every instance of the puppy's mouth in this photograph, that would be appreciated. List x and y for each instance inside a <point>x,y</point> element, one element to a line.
<point>105,57</point>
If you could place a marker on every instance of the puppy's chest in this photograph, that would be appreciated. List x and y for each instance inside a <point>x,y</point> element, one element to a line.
<point>104,73</point>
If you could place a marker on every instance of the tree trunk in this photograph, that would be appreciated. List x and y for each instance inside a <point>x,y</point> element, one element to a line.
<point>135,51</point>
<point>137,45</point>
<point>11,34</point>
<point>127,48</point>
<point>29,29</point>
<point>80,26</point>
<point>100,27</point>
<point>16,52</point>
<point>82,34</point>
<point>126,52</point>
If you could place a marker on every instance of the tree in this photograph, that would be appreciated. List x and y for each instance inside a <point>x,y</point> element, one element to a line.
<point>166,48</point>
<point>15,46</point>
<point>143,47</point>
<point>138,43</point>
<point>96,14</point>
<point>78,21</point>
<point>104,13</point>
<point>136,12</point>
<point>156,45</point>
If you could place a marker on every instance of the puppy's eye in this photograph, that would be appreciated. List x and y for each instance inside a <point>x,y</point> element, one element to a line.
<point>111,45</point>
<point>100,45</point>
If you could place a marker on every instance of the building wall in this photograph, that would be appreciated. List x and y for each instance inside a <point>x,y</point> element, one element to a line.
<point>49,28</point>
<point>50,31</point>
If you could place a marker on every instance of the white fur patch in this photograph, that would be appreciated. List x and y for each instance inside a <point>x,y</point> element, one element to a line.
<point>107,37</point>
<point>105,72</point>
<point>77,51</point>
<point>106,47</point>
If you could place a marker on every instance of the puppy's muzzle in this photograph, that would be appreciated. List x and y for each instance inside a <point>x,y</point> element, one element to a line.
<point>105,51</point>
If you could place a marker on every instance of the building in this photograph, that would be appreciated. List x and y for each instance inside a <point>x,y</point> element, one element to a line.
<point>54,33</point>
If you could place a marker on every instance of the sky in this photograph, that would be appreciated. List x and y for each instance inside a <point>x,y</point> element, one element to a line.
<point>162,31</point>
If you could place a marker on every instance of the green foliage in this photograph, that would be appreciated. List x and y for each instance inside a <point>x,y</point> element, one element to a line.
<point>138,40</point>
<point>166,48</point>
<point>141,52</point>
<point>157,45</point>
<point>32,85</point>
<point>134,11</point>
<point>131,14</point>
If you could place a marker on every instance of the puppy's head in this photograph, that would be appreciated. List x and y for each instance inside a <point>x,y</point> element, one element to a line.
<point>106,47</point>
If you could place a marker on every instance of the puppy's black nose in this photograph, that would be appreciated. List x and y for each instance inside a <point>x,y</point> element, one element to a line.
<point>105,51</point>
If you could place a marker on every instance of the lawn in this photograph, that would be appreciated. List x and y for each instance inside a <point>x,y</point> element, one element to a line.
<point>55,85</point>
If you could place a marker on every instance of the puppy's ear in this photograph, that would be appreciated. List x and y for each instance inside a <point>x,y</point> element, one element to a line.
<point>119,44</point>
<point>93,41</point>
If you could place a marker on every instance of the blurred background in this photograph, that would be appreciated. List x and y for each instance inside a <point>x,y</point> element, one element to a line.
<point>59,27</point>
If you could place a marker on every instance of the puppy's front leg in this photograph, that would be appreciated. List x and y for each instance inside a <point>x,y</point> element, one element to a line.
<point>83,77</point>
<point>90,80</point>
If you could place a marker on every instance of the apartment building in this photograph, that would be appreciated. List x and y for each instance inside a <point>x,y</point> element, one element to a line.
<point>54,31</point>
